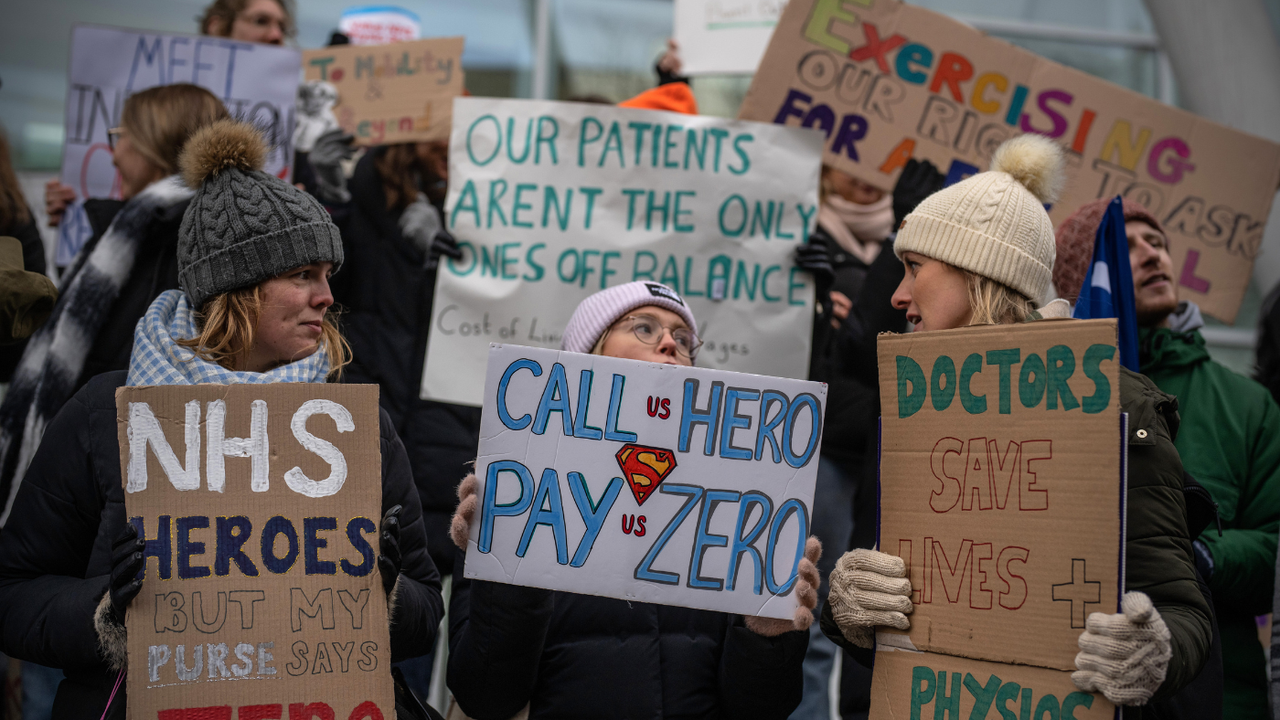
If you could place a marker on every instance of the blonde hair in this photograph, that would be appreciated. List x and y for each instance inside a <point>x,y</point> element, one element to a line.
<point>226,324</point>
<point>994,303</point>
<point>160,119</point>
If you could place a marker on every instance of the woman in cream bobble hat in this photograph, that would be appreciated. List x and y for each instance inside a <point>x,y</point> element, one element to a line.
<point>982,252</point>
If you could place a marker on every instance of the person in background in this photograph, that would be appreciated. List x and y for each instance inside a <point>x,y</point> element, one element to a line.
<point>393,238</point>
<point>854,278</point>
<point>69,562</point>
<point>1229,440</point>
<point>17,221</point>
<point>965,268</point>
<point>262,21</point>
<point>567,656</point>
<point>129,260</point>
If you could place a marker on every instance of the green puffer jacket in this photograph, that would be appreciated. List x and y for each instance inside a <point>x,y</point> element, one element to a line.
<point>1230,443</point>
<point>1158,552</point>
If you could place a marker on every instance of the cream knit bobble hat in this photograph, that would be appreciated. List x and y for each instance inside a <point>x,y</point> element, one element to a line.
<point>994,223</point>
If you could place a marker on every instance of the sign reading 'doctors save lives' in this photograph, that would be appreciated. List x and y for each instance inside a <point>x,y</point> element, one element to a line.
<point>552,202</point>
<point>260,505</point>
<point>1002,488</point>
<point>393,93</point>
<point>888,81</point>
<point>258,83</point>
<point>635,480</point>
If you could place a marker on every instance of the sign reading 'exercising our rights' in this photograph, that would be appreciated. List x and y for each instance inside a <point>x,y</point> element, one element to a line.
<point>552,202</point>
<point>635,480</point>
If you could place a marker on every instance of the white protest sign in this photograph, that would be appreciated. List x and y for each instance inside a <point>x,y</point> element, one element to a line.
<point>725,37</point>
<point>379,24</point>
<point>647,482</point>
<point>257,82</point>
<point>552,202</point>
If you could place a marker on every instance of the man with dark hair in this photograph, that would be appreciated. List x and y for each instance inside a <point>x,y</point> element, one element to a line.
<point>1229,440</point>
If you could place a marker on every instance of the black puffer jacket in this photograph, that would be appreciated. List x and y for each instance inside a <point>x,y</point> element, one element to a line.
<point>385,293</point>
<point>55,551</point>
<point>1158,558</point>
<point>571,656</point>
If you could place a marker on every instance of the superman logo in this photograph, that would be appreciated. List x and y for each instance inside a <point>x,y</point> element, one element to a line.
<point>644,468</point>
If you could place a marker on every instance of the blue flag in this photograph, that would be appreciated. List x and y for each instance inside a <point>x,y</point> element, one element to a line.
<point>1107,291</point>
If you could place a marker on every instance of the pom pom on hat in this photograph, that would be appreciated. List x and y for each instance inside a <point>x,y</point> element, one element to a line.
<point>1036,162</point>
<point>223,145</point>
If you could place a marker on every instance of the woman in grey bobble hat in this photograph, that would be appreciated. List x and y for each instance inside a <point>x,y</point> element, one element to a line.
<point>565,655</point>
<point>254,259</point>
<point>982,252</point>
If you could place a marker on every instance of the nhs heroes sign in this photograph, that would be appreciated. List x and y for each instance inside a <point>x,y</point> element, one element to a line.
<point>634,480</point>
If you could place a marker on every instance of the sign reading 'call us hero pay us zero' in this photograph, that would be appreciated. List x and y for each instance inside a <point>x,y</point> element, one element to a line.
<point>261,595</point>
<point>554,201</point>
<point>887,81</point>
<point>655,483</point>
<point>1003,489</point>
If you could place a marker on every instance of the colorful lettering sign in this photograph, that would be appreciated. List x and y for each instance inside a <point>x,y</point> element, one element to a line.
<point>886,82</point>
<point>257,82</point>
<point>261,595</point>
<point>393,93</point>
<point>1002,488</point>
<point>552,202</point>
<point>657,483</point>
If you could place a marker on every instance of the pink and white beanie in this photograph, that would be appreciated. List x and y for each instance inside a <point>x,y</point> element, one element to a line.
<point>598,312</point>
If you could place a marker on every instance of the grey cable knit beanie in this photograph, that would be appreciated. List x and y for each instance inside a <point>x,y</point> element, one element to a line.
<point>244,226</point>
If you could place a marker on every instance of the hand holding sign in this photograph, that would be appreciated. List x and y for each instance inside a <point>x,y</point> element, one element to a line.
<point>1124,655</point>
<point>806,591</point>
<point>869,589</point>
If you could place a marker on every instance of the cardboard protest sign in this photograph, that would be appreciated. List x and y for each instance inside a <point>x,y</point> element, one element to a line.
<point>1002,487</point>
<point>724,36</point>
<point>553,201</point>
<point>656,483</point>
<point>257,82</point>
<point>260,505</point>
<point>887,81</point>
<point>394,93</point>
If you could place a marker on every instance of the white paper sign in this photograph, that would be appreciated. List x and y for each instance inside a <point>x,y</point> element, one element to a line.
<point>552,202</point>
<point>647,482</point>
<point>724,37</point>
<point>257,82</point>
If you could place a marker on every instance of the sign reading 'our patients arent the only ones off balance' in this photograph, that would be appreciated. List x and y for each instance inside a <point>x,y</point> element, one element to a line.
<point>887,81</point>
<point>1003,489</point>
<point>261,595</point>
<point>634,480</point>
<point>552,202</point>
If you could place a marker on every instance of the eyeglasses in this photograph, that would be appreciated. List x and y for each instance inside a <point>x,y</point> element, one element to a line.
<point>113,136</point>
<point>263,21</point>
<point>649,331</point>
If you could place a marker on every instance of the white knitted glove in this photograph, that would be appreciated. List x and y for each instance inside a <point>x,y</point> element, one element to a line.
<point>1124,656</point>
<point>869,589</point>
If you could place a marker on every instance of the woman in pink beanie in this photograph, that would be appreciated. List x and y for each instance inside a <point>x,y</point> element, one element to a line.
<point>533,653</point>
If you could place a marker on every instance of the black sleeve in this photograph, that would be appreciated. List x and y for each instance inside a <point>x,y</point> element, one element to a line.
<point>46,602</point>
<point>827,622</point>
<point>873,313</point>
<point>496,635</point>
<point>419,606</point>
<point>761,677</point>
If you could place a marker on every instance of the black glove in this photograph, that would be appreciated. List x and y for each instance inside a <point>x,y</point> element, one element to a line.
<point>443,244</point>
<point>326,160</point>
<point>815,259</point>
<point>919,180</point>
<point>128,558</point>
<point>389,548</point>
